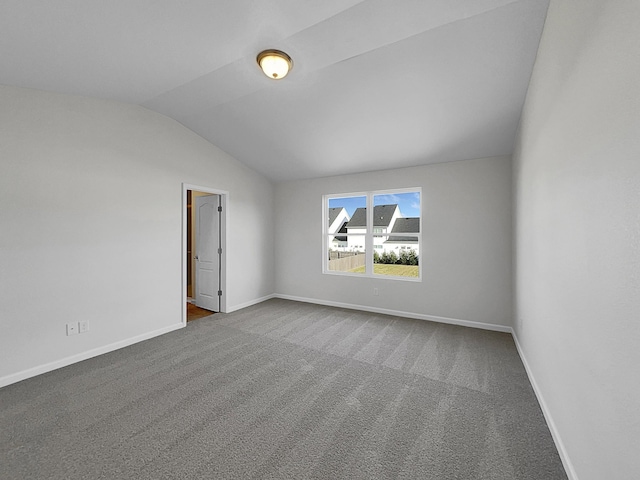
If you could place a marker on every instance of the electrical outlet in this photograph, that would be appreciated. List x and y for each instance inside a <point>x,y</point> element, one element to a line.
<point>375,292</point>
<point>72,328</point>
<point>83,326</point>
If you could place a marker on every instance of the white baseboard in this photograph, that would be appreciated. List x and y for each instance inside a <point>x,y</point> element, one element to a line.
<point>399,313</point>
<point>249,303</point>
<point>48,367</point>
<point>562,451</point>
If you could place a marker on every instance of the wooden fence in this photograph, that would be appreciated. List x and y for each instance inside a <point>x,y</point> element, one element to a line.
<point>347,263</point>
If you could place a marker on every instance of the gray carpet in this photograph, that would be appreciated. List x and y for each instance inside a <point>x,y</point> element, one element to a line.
<point>285,390</point>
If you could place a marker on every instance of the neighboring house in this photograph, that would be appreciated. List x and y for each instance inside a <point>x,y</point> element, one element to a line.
<point>338,219</point>
<point>339,242</point>
<point>397,242</point>
<point>384,218</point>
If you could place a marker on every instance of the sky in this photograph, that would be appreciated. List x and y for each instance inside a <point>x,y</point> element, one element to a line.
<point>409,203</point>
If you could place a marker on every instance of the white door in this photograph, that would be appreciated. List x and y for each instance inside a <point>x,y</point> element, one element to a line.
<point>207,256</point>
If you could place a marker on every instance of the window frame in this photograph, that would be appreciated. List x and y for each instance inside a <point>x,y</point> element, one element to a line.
<point>368,235</point>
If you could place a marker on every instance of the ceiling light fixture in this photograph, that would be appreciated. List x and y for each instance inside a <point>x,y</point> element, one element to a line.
<point>274,63</point>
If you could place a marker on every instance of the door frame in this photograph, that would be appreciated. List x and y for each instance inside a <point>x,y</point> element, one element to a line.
<point>224,197</point>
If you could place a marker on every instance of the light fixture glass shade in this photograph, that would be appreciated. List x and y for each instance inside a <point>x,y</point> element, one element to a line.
<point>274,63</point>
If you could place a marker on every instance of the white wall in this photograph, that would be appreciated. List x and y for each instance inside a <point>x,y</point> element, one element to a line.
<point>577,268</point>
<point>90,225</point>
<point>466,264</point>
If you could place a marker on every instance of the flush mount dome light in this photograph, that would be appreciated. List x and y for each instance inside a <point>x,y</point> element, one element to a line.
<point>274,63</point>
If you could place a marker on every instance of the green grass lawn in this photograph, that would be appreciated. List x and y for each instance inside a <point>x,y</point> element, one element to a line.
<point>397,270</point>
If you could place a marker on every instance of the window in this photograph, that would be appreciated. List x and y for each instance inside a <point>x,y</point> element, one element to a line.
<point>373,234</point>
<point>345,234</point>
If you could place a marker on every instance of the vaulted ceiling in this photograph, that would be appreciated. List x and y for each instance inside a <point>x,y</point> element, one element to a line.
<point>376,84</point>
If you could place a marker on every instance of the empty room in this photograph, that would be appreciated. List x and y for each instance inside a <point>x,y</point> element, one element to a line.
<point>348,239</point>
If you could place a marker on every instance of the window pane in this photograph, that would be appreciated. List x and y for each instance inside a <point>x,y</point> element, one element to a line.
<point>398,216</point>
<point>395,259</point>
<point>347,256</point>
<point>346,217</point>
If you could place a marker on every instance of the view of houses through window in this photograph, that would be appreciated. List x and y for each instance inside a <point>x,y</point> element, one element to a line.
<point>375,233</point>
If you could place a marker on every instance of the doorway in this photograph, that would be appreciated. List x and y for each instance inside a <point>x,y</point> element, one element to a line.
<point>203,250</point>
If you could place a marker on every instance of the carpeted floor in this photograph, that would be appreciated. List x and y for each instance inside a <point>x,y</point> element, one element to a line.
<point>285,390</point>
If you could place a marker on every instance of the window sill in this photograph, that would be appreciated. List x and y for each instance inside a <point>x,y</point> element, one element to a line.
<point>374,276</point>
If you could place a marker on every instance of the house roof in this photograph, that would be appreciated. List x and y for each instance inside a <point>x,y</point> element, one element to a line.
<point>405,225</point>
<point>333,214</point>
<point>381,216</point>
